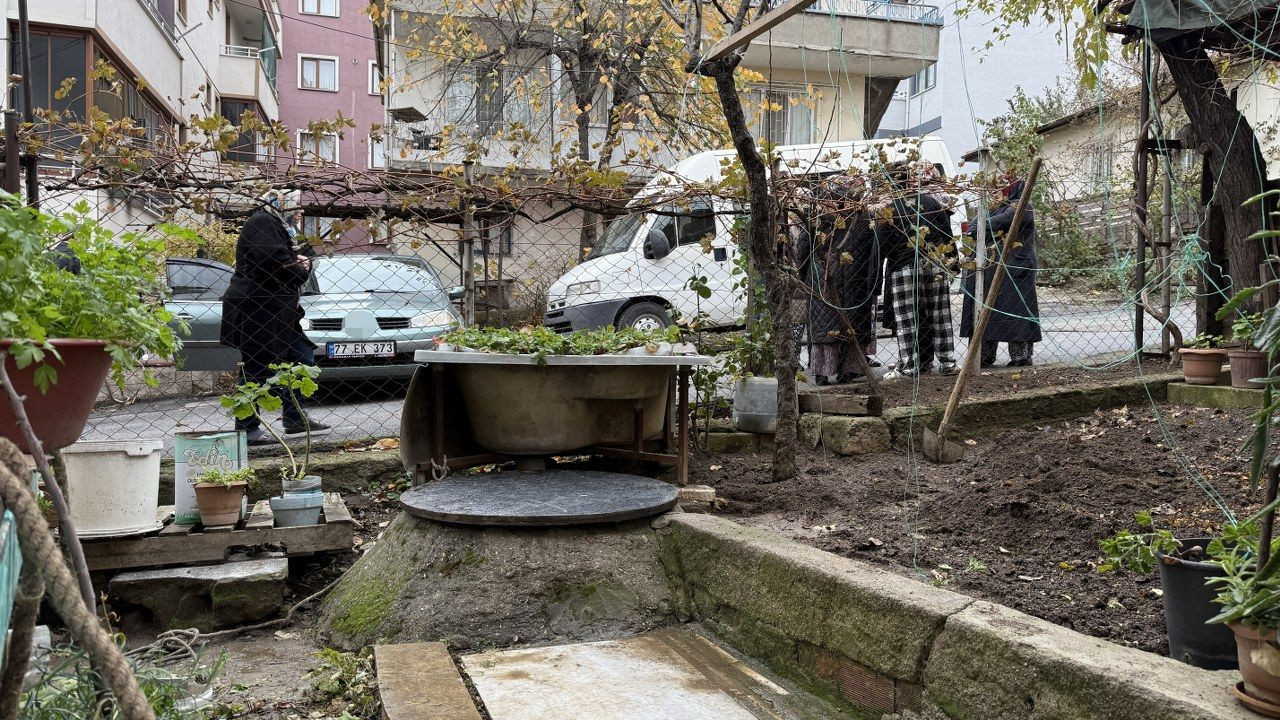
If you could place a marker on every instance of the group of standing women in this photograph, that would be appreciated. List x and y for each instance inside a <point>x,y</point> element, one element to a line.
<point>865,251</point>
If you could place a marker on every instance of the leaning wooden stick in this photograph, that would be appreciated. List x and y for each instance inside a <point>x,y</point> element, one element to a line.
<point>936,447</point>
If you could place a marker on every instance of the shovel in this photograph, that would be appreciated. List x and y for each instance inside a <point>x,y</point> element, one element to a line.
<point>936,445</point>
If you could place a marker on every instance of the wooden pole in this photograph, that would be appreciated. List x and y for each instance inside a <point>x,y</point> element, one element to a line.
<point>24,37</point>
<point>468,249</point>
<point>980,324</point>
<point>12,154</point>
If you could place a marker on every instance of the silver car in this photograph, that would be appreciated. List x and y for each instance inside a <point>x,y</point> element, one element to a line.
<point>367,314</point>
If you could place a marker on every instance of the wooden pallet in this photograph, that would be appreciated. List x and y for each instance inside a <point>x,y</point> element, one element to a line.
<point>176,544</point>
<point>837,403</point>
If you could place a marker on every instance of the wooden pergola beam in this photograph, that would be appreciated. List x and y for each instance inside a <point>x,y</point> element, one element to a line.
<point>762,25</point>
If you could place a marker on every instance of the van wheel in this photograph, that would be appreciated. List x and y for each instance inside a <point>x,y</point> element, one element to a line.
<point>645,316</point>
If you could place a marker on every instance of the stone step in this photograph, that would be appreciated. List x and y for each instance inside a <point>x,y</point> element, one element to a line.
<point>1218,397</point>
<point>207,597</point>
<point>419,681</point>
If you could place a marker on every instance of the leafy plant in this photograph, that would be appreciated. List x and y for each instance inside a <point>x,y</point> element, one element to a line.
<point>1204,341</point>
<point>251,399</point>
<point>226,478</point>
<point>1136,552</point>
<point>117,295</point>
<point>1244,328</point>
<point>543,341</point>
<point>347,682</point>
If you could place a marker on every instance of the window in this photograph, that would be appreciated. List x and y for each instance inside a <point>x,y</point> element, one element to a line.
<point>377,152</point>
<point>924,79</point>
<point>786,119</point>
<point>375,78</point>
<point>317,72</point>
<point>319,7</point>
<point>687,229</point>
<point>245,148</point>
<point>317,147</point>
<point>337,275</point>
<point>208,93</point>
<point>182,11</point>
<point>55,59</point>
<point>495,240</point>
<point>197,281</point>
<point>121,98</point>
<point>319,228</point>
<point>491,101</point>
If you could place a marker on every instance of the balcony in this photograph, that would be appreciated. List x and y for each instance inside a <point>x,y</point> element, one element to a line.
<point>865,37</point>
<point>249,73</point>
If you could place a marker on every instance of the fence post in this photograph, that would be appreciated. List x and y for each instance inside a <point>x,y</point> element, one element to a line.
<point>468,247</point>
<point>12,154</point>
<point>24,37</point>
<point>1140,200</point>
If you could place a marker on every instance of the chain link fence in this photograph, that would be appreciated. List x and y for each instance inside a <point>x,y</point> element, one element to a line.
<point>375,292</point>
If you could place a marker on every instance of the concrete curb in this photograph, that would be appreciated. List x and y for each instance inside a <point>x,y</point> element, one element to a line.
<point>1218,397</point>
<point>857,436</point>
<point>882,643</point>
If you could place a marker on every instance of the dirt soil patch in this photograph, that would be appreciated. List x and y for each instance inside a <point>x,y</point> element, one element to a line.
<point>1018,522</point>
<point>934,389</point>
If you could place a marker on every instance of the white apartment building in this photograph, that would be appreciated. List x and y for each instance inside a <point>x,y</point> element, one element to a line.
<point>194,58</point>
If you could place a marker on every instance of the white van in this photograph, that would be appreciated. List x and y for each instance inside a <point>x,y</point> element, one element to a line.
<point>623,284</point>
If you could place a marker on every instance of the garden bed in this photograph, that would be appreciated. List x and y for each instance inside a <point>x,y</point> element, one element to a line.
<point>1018,522</point>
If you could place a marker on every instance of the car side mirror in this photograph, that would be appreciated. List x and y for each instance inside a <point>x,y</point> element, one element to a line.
<point>656,245</point>
<point>456,292</point>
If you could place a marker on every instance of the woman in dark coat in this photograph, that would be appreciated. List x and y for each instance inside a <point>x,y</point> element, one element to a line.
<point>1015,316</point>
<point>840,266</point>
<point>261,313</point>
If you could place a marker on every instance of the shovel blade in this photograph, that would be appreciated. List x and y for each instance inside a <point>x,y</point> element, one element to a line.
<point>940,450</point>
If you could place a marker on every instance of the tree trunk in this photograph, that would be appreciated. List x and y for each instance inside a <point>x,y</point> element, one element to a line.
<point>764,256</point>
<point>1238,165</point>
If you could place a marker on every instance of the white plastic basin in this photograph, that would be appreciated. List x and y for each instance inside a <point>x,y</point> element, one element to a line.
<point>113,487</point>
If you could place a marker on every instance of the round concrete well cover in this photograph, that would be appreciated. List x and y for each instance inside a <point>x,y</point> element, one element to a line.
<point>543,497</point>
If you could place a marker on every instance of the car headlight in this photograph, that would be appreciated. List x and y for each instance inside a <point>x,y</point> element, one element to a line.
<point>583,288</point>
<point>305,323</point>
<point>434,318</point>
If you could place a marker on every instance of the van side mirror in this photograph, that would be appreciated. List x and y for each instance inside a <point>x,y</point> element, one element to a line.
<point>456,292</point>
<point>656,245</point>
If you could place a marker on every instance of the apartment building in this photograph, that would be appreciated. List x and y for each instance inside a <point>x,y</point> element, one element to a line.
<point>175,59</point>
<point>970,83</point>
<point>327,69</point>
<point>828,74</point>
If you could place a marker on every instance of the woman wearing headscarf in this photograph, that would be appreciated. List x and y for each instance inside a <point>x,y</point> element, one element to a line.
<point>261,311</point>
<point>839,264</point>
<point>1015,315</point>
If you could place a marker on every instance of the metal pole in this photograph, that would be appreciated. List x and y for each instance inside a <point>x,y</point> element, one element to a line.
<point>1140,200</point>
<point>12,152</point>
<point>468,248</point>
<point>24,37</point>
<point>1163,250</point>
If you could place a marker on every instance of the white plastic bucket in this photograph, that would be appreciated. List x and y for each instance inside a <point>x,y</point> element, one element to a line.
<point>113,487</point>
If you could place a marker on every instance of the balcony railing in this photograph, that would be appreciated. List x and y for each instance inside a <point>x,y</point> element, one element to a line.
<point>882,9</point>
<point>266,58</point>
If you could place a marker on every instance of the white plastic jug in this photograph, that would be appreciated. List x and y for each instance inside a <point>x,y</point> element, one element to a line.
<point>113,487</point>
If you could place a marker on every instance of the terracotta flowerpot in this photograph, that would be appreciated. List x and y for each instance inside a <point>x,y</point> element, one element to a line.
<point>219,504</point>
<point>1259,656</point>
<point>1247,365</point>
<point>1202,366</point>
<point>58,416</point>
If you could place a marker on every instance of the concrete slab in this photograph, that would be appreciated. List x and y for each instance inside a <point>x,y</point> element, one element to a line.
<point>205,597</point>
<point>1220,397</point>
<point>419,681</point>
<point>665,674</point>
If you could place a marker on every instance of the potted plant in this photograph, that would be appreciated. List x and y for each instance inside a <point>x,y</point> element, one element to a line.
<point>301,499</point>
<point>1184,567</point>
<point>220,495</point>
<point>1202,360</point>
<point>1247,362</point>
<point>78,302</point>
<point>47,509</point>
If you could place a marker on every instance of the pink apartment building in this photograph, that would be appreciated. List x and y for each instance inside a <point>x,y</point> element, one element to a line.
<point>328,67</point>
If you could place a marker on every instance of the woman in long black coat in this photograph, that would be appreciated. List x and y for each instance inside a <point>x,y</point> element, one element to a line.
<point>840,265</point>
<point>1015,316</point>
<point>261,313</point>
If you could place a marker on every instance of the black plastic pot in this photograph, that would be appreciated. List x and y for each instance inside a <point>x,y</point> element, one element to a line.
<point>1188,603</point>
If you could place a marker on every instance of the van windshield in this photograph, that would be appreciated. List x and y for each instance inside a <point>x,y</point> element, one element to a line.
<point>619,235</point>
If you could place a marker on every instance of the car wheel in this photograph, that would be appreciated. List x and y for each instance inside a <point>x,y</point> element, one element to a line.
<point>645,316</point>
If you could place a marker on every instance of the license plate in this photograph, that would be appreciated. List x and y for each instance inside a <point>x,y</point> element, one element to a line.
<point>360,349</point>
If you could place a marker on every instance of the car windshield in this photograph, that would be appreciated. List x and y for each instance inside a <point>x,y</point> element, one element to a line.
<point>346,275</point>
<point>618,236</point>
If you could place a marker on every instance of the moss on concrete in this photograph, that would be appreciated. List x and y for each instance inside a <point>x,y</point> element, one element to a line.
<point>1219,397</point>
